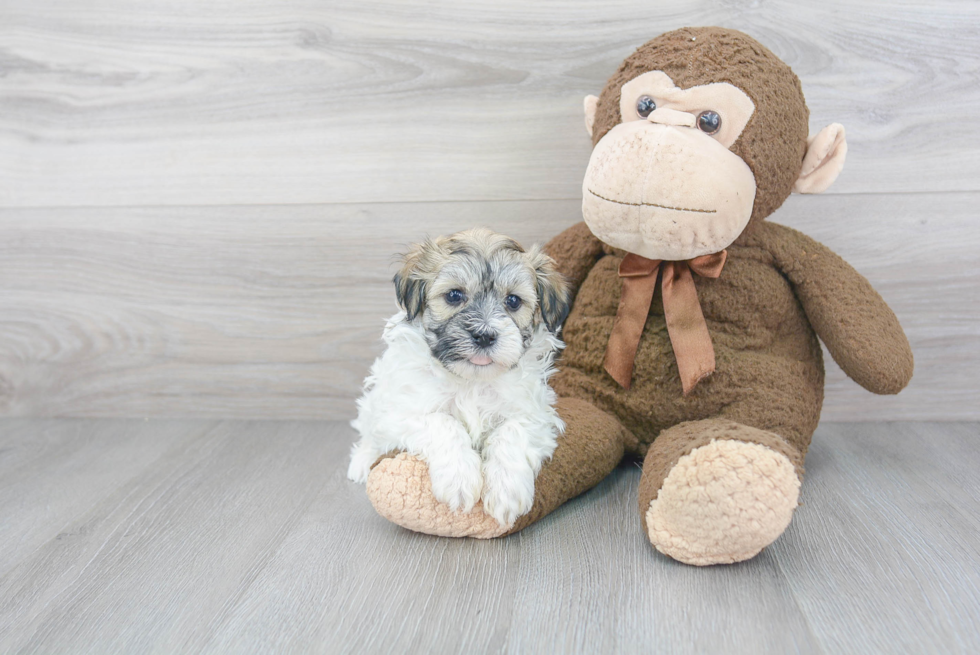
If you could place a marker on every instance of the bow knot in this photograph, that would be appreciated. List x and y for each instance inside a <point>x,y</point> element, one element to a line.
<point>686,327</point>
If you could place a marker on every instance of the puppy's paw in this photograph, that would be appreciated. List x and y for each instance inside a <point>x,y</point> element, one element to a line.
<point>508,491</point>
<point>457,481</point>
<point>361,459</point>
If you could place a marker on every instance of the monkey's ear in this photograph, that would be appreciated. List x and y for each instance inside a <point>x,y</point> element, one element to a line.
<point>410,282</point>
<point>590,105</point>
<point>825,154</point>
<point>554,296</point>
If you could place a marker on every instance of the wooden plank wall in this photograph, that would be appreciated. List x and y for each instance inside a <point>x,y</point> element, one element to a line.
<point>199,202</point>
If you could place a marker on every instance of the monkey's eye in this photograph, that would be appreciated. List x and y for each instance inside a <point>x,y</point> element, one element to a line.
<point>455,297</point>
<point>644,106</point>
<point>709,122</point>
<point>513,302</point>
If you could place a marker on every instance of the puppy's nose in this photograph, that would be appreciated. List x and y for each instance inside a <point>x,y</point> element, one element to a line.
<point>484,339</point>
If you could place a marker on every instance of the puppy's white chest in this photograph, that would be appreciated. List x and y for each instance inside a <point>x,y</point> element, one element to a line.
<point>479,411</point>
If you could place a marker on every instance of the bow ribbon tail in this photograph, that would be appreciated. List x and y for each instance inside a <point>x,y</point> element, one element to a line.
<point>639,280</point>
<point>686,325</point>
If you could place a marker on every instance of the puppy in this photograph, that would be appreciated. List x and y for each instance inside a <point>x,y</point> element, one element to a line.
<point>463,383</point>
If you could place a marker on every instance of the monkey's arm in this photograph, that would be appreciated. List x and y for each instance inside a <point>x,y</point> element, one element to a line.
<point>576,251</point>
<point>859,329</point>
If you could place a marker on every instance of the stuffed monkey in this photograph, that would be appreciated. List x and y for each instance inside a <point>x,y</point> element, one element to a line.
<point>692,342</point>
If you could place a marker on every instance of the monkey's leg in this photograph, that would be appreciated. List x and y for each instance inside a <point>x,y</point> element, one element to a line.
<point>592,445</point>
<point>716,491</point>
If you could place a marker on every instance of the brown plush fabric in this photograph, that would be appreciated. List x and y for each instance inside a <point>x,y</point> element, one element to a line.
<point>860,330</point>
<point>773,142</point>
<point>769,368</point>
<point>779,290</point>
<point>680,440</point>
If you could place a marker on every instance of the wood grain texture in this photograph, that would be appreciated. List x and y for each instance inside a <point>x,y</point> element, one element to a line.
<point>157,257</point>
<point>255,102</point>
<point>907,499</point>
<point>246,537</point>
<point>53,472</point>
<point>197,527</point>
<point>276,312</point>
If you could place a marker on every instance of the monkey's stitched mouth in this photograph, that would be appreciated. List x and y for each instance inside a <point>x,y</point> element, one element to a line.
<point>653,204</point>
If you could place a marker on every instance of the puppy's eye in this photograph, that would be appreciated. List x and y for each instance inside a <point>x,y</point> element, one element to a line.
<point>513,302</point>
<point>455,297</point>
<point>645,106</point>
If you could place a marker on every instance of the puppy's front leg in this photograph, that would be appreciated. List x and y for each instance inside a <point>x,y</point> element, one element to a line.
<point>453,464</point>
<point>510,464</point>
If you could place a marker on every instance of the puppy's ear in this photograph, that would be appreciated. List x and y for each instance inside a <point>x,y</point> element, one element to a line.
<point>412,281</point>
<point>554,296</point>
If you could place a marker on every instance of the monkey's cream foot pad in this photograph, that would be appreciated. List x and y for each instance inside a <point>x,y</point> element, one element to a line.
<point>723,503</point>
<point>401,491</point>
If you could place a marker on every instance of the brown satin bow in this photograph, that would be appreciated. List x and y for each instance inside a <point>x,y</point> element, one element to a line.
<point>685,323</point>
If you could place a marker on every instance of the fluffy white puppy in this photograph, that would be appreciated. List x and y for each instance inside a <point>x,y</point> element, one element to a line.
<point>463,383</point>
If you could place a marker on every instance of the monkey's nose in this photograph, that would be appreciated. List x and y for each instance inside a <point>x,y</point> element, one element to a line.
<point>665,116</point>
<point>484,339</point>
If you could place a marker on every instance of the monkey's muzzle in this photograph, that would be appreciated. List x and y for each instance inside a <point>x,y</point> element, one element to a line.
<point>666,192</point>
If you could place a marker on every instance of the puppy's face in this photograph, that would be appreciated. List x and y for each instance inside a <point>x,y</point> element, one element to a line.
<point>479,297</point>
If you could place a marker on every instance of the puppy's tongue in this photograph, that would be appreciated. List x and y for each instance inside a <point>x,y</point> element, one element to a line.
<point>480,360</point>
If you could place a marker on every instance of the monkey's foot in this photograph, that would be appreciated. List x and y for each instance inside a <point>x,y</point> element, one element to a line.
<point>400,489</point>
<point>722,502</point>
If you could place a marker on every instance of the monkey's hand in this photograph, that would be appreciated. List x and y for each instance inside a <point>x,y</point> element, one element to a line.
<point>859,329</point>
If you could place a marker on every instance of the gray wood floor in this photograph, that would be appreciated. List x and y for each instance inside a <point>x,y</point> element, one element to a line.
<point>244,536</point>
